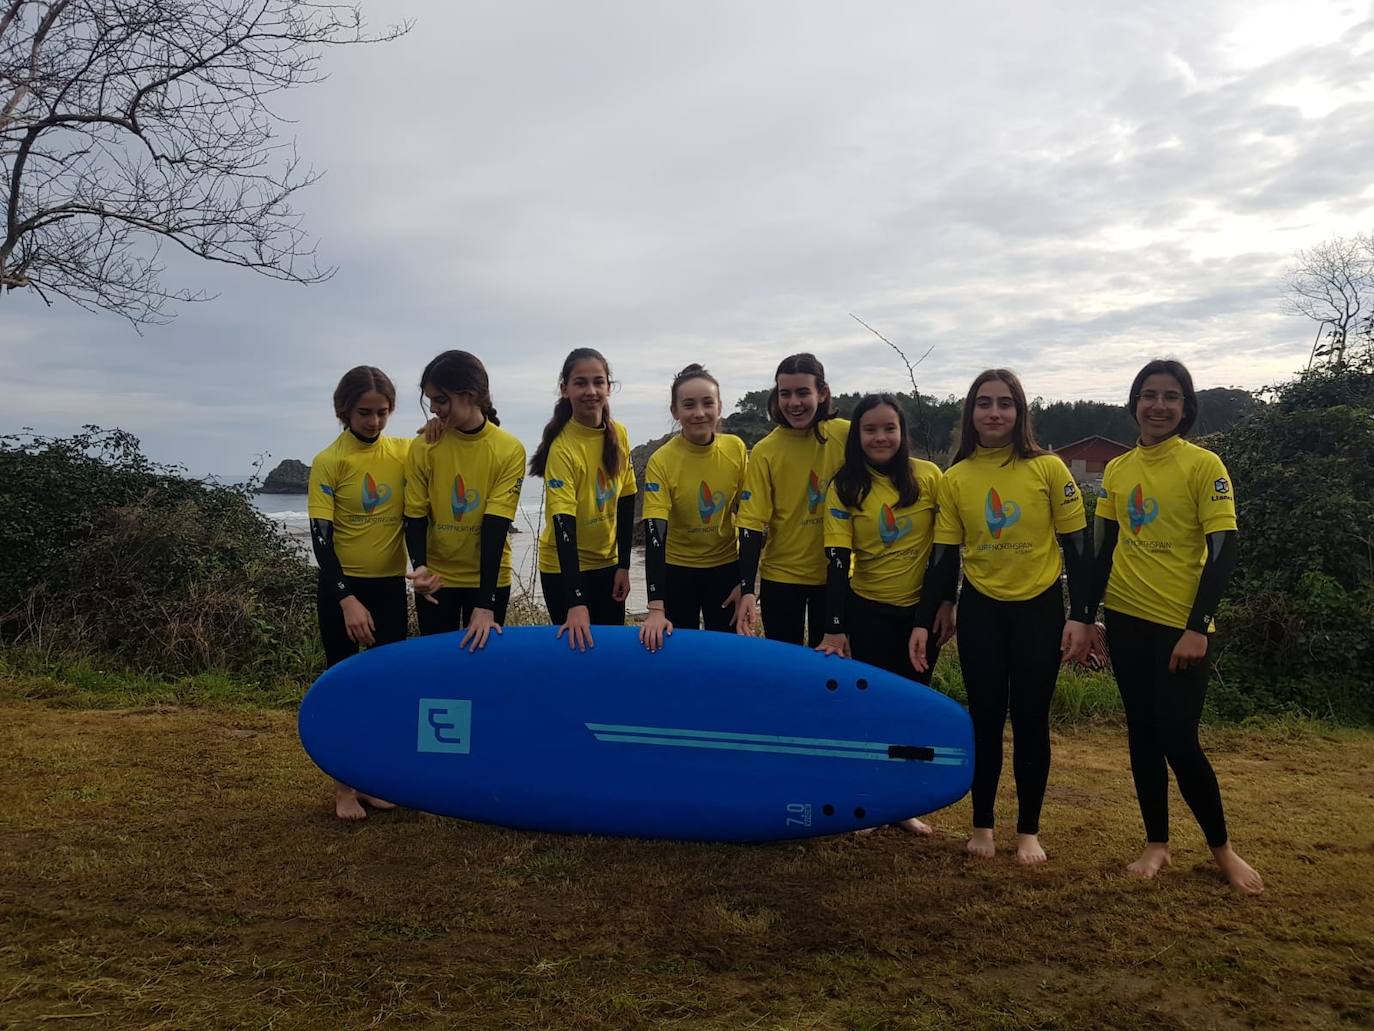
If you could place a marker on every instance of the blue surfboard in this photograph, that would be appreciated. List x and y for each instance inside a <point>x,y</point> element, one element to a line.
<point>714,738</point>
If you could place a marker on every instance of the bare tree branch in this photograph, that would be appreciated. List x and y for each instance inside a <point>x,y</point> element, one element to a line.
<point>922,417</point>
<point>1332,284</point>
<point>132,122</point>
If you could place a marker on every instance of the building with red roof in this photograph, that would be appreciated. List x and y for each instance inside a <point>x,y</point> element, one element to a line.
<point>1087,458</point>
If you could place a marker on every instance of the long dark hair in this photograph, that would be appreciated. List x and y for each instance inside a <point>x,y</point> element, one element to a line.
<point>1023,442</point>
<point>458,372</point>
<point>358,381</point>
<point>1176,369</point>
<point>809,365</point>
<point>853,481</point>
<point>611,455</point>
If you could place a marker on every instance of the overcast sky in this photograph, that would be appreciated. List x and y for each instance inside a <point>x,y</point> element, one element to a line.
<point>1054,187</point>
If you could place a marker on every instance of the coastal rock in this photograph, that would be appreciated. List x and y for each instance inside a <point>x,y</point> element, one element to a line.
<point>639,459</point>
<point>289,477</point>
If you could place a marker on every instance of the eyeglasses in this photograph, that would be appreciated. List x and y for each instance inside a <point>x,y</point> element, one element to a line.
<point>1169,397</point>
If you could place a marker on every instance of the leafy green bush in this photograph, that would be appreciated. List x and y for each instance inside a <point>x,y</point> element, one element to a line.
<point>1297,628</point>
<point>110,554</point>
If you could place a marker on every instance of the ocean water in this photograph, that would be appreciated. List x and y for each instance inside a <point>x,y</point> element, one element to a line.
<point>290,511</point>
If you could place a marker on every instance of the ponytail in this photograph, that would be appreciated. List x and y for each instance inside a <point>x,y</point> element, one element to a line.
<point>693,371</point>
<point>458,372</point>
<point>612,456</point>
<point>562,412</point>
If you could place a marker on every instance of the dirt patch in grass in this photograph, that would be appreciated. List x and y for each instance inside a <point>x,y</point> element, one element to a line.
<point>180,868</point>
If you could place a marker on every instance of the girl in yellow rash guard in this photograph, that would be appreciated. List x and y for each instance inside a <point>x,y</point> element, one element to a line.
<point>880,510</point>
<point>1166,545</point>
<point>356,489</point>
<point>782,507</point>
<point>589,497</point>
<point>461,495</point>
<point>691,487</point>
<point>1004,500</point>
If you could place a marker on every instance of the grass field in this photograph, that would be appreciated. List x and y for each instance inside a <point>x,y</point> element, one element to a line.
<point>178,866</point>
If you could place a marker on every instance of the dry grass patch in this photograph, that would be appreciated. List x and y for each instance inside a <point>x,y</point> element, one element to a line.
<point>179,868</point>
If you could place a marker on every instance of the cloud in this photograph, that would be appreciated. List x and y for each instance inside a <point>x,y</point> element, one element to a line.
<point>1067,191</point>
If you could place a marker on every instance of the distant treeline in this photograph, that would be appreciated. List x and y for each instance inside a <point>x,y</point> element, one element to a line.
<point>935,421</point>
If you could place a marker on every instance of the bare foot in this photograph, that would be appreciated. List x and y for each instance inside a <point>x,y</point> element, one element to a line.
<point>980,843</point>
<point>375,802</point>
<point>864,830</point>
<point>1241,874</point>
<point>914,826</point>
<point>1154,859</point>
<point>346,804</point>
<point>1028,850</point>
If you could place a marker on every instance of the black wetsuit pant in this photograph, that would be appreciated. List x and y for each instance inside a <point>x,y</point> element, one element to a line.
<point>794,613</point>
<point>452,608</point>
<point>1162,714</point>
<point>597,585</point>
<point>692,597</point>
<point>384,598</point>
<point>879,635</point>
<point>1009,654</point>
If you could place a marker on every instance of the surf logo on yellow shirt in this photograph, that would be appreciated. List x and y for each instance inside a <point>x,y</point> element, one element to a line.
<point>709,502</point>
<point>605,489</point>
<point>1140,509</point>
<point>890,528</point>
<point>999,514</point>
<point>815,492</point>
<point>374,493</point>
<point>463,500</point>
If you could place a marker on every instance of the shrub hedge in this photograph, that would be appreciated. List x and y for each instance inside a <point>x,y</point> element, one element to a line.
<point>110,554</point>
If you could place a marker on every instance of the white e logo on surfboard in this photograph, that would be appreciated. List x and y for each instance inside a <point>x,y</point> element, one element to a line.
<point>445,725</point>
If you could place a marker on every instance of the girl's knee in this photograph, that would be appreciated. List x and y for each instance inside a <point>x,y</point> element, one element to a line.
<point>1183,751</point>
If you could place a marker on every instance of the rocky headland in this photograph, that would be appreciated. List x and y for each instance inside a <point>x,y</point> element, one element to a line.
<point>289,477</point>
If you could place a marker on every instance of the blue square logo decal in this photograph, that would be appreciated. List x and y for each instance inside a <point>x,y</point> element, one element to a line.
<point>445,725</point>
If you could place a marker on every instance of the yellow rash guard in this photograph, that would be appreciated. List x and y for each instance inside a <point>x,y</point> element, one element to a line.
<point>1166,499</point>
<point>1006,517</point>
<point>696,487</point>
<point>360,488</point>
<point>576,484</point>
<point>784,497</point>
<point>456,481</point>
<point>890,545</point>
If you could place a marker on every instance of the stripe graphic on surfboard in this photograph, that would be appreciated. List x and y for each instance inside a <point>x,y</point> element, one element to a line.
<point>677,737</point>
